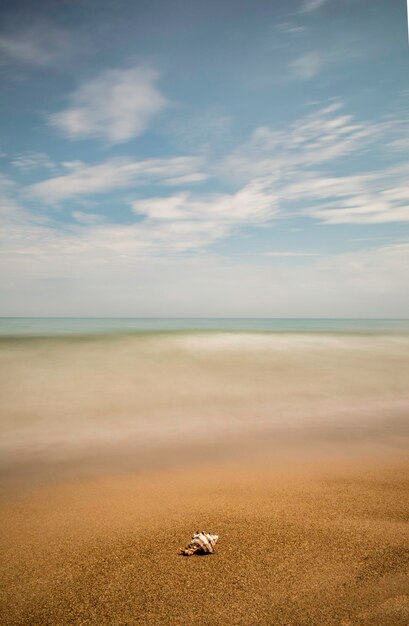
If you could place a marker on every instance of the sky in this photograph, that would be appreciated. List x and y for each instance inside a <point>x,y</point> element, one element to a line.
<point>183,158</point>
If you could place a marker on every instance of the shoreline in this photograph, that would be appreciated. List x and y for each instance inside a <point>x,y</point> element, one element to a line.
<point>294,451</point>
<point>383,438</point>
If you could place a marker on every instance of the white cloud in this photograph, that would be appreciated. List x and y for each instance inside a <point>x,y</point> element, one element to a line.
<point>308,65</point>
<point>317,138</point>
<point>116,106</point>
<point>272,170</point>
<point>289,160</point>
<point>82,180</point>
<point>160,261</point>
<point>170,225</point>
<point>362,209</point>
<point>184,221</point>
<point>366,198</point>
<point>290,28</point>
<point>30,161</point>
<point>87,218</point>
<point>253,203</point>
<point>127,270</point>
<point>290,254</point>
<point>185,179</point>
<point>309,6</point>
<point>39,45</point>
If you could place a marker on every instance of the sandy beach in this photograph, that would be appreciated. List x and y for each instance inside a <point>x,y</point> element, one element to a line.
<point>322,541</point>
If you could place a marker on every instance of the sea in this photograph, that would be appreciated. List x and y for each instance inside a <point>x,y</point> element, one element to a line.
<point>51,326</point>
<point>96,392</point>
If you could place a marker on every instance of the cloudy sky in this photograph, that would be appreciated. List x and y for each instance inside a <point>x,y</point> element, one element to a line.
<point>193,158</point>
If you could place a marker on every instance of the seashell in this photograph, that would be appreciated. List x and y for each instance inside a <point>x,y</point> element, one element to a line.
<point>201,543</point>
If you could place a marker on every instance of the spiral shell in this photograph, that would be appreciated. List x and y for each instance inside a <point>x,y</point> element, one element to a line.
<point>202,543</point>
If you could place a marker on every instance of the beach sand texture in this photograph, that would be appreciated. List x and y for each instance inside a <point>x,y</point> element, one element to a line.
<point>321,543</point>
<point>307,486</point>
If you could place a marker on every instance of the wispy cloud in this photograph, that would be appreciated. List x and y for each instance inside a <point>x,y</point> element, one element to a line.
<point>29,161</point>
<point>83,180</point>
<point>308,65</point>
<point>116,106</point>
<point>299,164</point>
<point>309,6</point>
<point>254,201</point>
<point>277,173</point>
<point>72,269</point>
<point>88,219</point>
<point>289,254</point>
<point>375,201</point>
<point>290,28</point>
<point>185,179</point>
<point>169,225</point>
<point>38,45</point>
<point>320,137</point>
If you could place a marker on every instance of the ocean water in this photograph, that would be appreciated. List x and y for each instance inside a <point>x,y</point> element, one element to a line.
<point>51,326</point>
<point>72,389</point>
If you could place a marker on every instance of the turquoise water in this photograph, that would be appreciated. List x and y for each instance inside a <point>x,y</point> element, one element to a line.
<point>41,326</point>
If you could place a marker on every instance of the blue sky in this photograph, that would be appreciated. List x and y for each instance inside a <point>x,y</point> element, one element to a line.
<point>190,158</point>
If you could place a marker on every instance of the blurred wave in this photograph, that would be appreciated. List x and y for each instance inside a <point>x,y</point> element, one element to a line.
<point>63,398</point>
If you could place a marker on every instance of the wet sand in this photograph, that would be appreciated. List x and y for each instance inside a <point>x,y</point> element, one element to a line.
<point>313,541</point>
